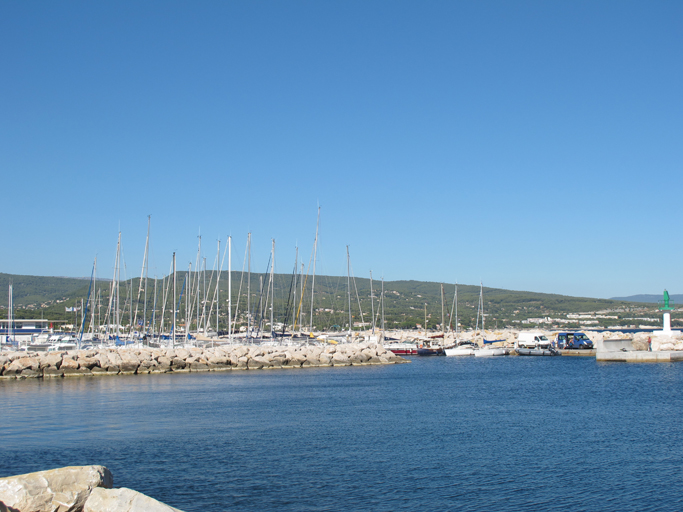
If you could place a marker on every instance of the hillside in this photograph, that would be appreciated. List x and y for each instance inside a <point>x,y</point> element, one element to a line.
<point>678,298</point>
<point>405,302</point>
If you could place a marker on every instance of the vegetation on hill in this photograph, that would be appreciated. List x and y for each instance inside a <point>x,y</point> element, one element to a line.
<point>406,303</point>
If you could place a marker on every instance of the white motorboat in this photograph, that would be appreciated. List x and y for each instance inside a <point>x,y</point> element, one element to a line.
<point>490,352</point>
<point>462,349</point>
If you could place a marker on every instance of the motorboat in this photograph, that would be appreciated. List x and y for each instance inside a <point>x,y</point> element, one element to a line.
<point>402,349</point>
<point>537,352</point>
<point>491,351</point>
<point>463,348</point>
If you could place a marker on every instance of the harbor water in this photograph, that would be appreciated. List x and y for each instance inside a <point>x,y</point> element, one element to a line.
<point>466,434</point>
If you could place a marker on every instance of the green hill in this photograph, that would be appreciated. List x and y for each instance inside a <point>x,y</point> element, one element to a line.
<point>404,306</point>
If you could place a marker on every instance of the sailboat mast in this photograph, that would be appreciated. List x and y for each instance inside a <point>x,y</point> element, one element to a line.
<point>92,313</point>
<point>188,305</point>
<point>272,287</point>
<point>144,311</point>
<point>372,304</point>
<point>204,319</point>
<point>296,277</point>
<point>456,309</point>
<point>425,318</point>
<point>175,319</point>
<point>382,307</point>
<point>315,253</point>
<point>218,280</point>
<point>117,271</point>
<point>483,316</point>
<point>301,299</point>
<point>154,309</point>
<point>10,314</point>
<point>443,318</point>
<point>348,286</point>
<point>230,289</point>
<point>248,286</point>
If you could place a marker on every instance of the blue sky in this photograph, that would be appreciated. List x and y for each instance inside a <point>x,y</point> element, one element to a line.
<point>531,145</point>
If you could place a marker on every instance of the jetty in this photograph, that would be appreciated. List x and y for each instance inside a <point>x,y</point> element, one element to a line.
<point>131,361</point>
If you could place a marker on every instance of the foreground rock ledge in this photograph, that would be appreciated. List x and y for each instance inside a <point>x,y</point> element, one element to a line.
<point>57,490</point>
<point>73,489</point>
<point>128,361</point>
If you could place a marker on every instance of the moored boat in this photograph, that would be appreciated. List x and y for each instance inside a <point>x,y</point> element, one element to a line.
<point>491,351</point>
<point>430,351</point>
<point>402,349</point>
<point>462,348</point>
<point>537,352</point>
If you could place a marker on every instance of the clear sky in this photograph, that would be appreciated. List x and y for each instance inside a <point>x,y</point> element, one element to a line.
<point>532,145</point>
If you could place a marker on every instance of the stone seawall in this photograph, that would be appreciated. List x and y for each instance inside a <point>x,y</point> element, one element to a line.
<point>129,361</point>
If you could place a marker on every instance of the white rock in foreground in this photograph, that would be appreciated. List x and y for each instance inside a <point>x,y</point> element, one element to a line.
<point>55,490</point>
<point>123,500</point>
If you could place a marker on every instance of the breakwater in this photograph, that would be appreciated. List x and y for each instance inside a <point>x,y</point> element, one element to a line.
<point>129,361</point>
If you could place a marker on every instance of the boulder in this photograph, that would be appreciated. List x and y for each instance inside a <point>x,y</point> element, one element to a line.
<point>23,363</point>
<point>199,367</point>
<point>219,360</point>
<point>164,362</point>
<point>114,359</point>
<point>240,351</point>
<point>27,373</point>
<point>181,353</point>
<point>178,363</point>
<point>56,490</point>
<point>144,355</point>
<point>88,362</point>
<point>51,359</point>
<point>195,351</point>
<point>51,371</point>
<point>123,500</point>
<point>257,362</point>
<point>339,359</point>
<point>76,372</point>
<point>219,367</point>
<point>68,364</point>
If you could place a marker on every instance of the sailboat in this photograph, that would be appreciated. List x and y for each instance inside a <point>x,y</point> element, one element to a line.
<point>461,348</point>
<point>487,351</point>
<point>427,348</point>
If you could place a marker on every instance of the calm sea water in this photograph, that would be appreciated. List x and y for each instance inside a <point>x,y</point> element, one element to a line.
<point>467,434</point>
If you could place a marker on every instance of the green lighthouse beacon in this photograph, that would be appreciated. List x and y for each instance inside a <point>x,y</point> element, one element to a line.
<point>666,306</point>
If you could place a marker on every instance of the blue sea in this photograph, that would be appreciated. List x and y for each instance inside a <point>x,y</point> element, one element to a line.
<point>440,433</point>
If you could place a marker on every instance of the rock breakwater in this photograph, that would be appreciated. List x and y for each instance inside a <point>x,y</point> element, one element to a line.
<point>129,361</point>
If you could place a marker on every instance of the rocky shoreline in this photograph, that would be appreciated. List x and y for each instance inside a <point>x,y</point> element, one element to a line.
<point>130,361</point>
<point>73,489</point>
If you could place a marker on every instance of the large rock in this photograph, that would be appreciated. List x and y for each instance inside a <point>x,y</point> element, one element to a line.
<point>68,364</point>
<point>50,359</point>
<point>56,490</point>
<point>24,363</point>
<point>339,359</point>
<point>123,500</point>
<point>114,359</point>
<point>257,362</point>
<point>87,362</point>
